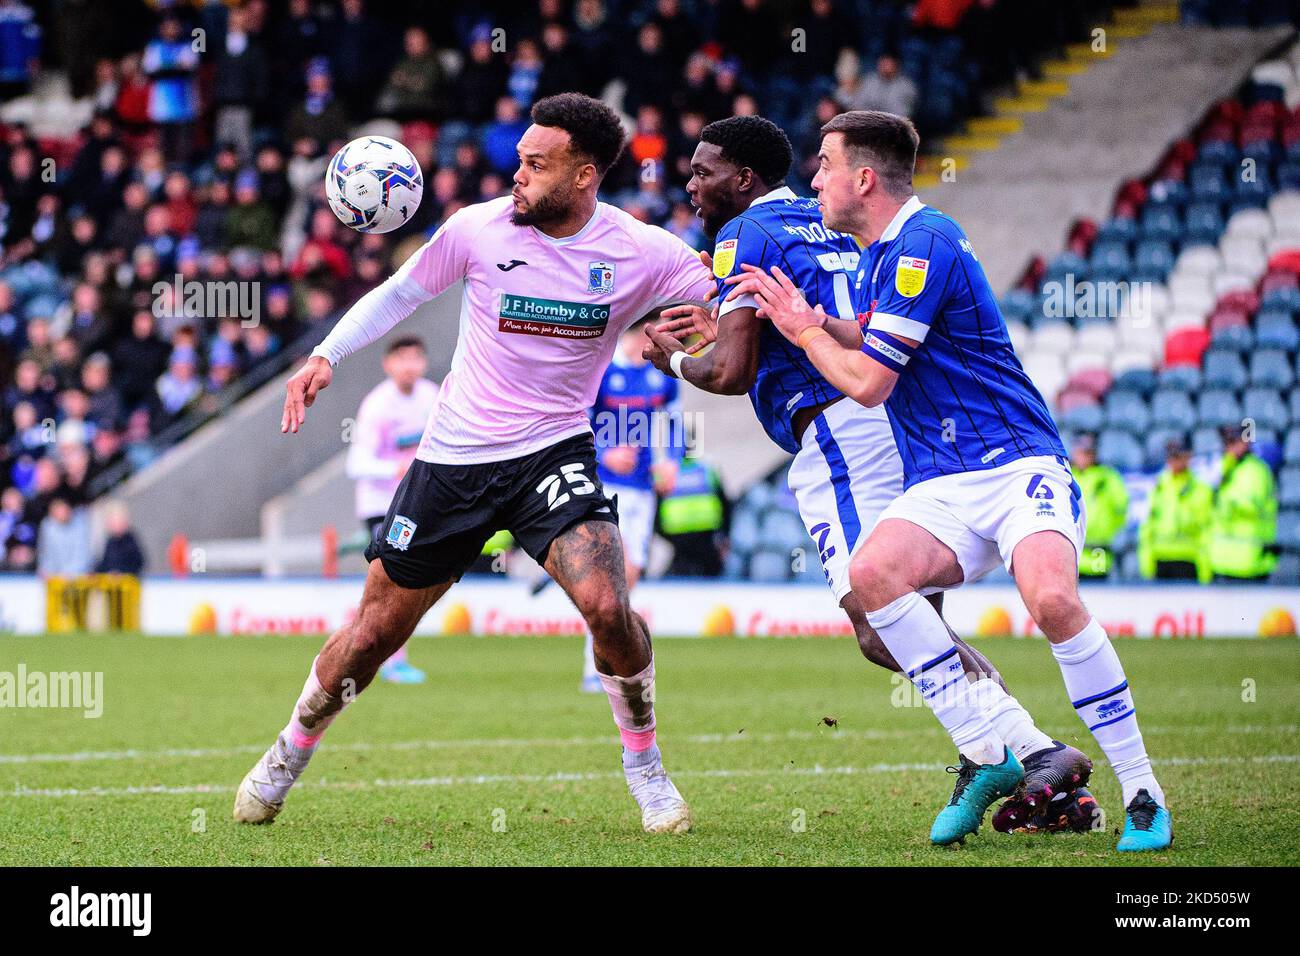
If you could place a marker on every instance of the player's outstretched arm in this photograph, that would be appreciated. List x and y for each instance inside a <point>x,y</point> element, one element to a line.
<point>728,369</point>
<point>300,391</point>
<point>850,369</point>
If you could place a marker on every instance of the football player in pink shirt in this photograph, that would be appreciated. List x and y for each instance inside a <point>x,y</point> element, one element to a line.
<point>551,278</point>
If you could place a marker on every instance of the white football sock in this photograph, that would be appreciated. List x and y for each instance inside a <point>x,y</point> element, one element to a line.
<point>917,637</point>
<point>1100,695</point>
<point>1009,719</point>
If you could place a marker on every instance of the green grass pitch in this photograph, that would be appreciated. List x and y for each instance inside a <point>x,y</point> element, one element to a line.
<point>499,760</point>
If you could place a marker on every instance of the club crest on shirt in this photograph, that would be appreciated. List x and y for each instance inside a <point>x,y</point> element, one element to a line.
<point>400,532</point>
<point>600,277</point>
<point>909,280</point>
<point>724,258</point>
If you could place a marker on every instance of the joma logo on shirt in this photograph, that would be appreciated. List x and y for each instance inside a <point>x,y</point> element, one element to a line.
<point>526,315</point>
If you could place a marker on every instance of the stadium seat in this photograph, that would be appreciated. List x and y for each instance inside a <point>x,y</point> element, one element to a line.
<point>1183,378</point>
<point>1053,338</point>
<point>1077,361</point>
<point>1128,412</point>
<point>1282,299</point>
<point>1286,572</point>
<point>1154,257</point>
<point>744,533</point>
<point>1224,370</point>
<point>1254,223</point>
<point>1083,418</point>
<point>1203,223</point>
<point>1218,407</point>
<point>1201,259</point>
<point>1291,448</point>
<point>1097,337</point>
<point>1266,408</point>
<point>1141,381</point>
<point>1132,358</point>
<point>1156,441</point>
<point>1186,346</point>
<point>1288,529</point>
<point>1288,487</point>
<point>769,566</point>
<point>1232,338</point>
<point>1172,410</point>
<point>1120,450</point>
<point>780,528</point>
<point>1121,230</point>
<point>1271,368</point>
<point>1275,329</point>
<point>1091,379</point>
<point>1161,222</point>
<point>1207,443</point>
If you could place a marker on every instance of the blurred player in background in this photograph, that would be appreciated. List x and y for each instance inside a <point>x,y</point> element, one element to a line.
<point>986,478</point>
<point>636,420</point>
<point>551,278</point>
<point>846,469</point>
<point>384,441</point>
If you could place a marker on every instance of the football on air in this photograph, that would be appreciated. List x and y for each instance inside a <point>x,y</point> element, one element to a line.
<point>374,184</point>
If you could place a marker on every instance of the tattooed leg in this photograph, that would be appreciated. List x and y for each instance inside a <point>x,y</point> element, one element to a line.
<point>587,562</point>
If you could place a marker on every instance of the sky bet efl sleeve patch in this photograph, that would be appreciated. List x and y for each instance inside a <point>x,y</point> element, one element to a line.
<point>724,258</point>
<point>909,280</point>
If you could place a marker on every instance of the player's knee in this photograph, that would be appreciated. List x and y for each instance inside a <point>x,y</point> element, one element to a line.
<point>1054,604</point>
<point>875,580</point>
<point>606,614</point>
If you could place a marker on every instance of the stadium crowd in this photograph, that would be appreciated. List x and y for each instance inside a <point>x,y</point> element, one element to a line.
<point>212,123</point>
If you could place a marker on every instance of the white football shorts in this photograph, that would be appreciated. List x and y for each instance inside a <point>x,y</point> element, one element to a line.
<point>846,472</point>
<point>983,515</point>
<point>636,520</point>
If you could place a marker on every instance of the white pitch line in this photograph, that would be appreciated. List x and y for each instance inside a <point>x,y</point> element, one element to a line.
<point>173,753</point>
<point>577,777</point>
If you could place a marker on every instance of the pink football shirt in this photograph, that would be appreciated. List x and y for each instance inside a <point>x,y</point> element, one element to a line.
<point>539,320</point>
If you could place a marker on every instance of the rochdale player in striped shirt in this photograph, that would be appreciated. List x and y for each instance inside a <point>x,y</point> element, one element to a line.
<point>986,477</point>
<point>846,467</point>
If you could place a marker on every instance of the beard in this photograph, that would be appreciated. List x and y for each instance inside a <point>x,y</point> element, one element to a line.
<point>550,207</point>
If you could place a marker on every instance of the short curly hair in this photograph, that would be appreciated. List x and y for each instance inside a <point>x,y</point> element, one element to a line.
<point>594,128</point>
<point>754,142</point>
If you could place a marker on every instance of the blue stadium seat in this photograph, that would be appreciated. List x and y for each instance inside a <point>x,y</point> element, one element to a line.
<point>1218,151</point>
<point>1218,407</point>
<point>1119,229</point>
<point>1266,408</point>
<point>744,534</point>
<point>1127,411</point>
<point>1288,174</point>
<point>782,529</point>
<point>1208,183</point>
<point>1172,410</point>
<point>1167,192</point>
<point>1287,570</point>
<point>1265,152</point>
<point>1291,447</point>
<point>1067,263</point>
<point>1276,330</point>
<point>1154,257</point>
<point>1233,338</point>
<point>1184,378</point>
<point>1224,370</point>
<point>1161,222</point>
<point>1281,299</point>
<point>769,566</point>
<point>1254,192</point>
<point>1120,450</point>
<point>1018,304</point>
<point>1288,529</point>
<point>1143,381</point>
<point>1083,418</point>
<point>1204,222</point>
<point>1288,487</point>
<point>1110,257</point>
<point>1271,368</point>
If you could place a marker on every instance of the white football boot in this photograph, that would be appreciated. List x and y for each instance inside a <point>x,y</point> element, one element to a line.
<point>262,791</point>
<point>662,808</point>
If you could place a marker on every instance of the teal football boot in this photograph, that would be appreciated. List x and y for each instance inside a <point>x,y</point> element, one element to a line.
<point>978,785</point>
<point>1147,826</point>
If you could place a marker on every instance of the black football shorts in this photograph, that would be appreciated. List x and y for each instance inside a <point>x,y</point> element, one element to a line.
<point>442,515</point>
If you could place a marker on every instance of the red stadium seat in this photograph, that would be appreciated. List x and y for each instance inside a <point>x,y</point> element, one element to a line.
<point>1243,300</point>
<point>1186,346</point>
<point>1073,398</point>
<point>1226,318</point>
